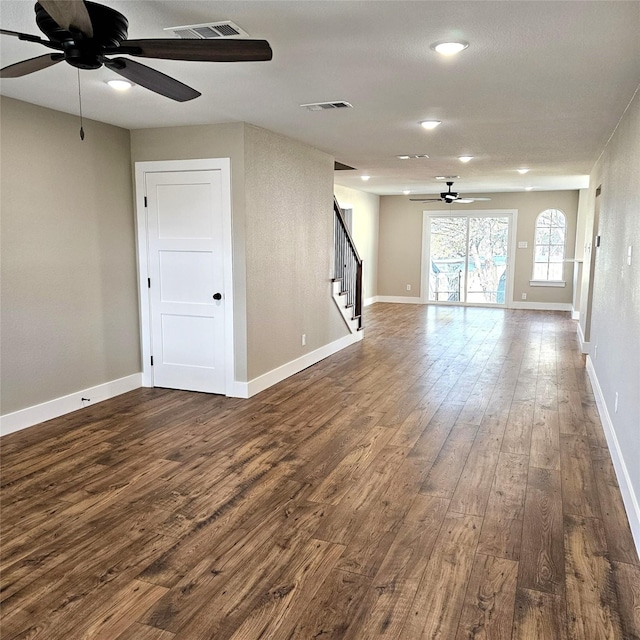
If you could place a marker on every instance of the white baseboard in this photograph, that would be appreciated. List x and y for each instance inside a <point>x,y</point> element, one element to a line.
<point>266,380</point>
<point>60,406</point>
<point>541,306</point>
<point>585,347</point>
<point>575,315</point>
<point>368,301</point>
<point>626,487</point>
<point>400,299</point>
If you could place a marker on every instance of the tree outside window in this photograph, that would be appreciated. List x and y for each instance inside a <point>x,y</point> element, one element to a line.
<point>550,240</point>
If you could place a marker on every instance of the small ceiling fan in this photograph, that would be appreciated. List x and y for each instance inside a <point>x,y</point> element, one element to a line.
<point>86,33</point>
<point>450,197</point>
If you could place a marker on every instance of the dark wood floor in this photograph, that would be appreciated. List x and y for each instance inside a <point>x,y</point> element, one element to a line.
<point>447,477</point>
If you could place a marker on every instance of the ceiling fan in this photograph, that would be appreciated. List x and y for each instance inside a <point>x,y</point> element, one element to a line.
<point>85,34</point>
<point>450,197</point>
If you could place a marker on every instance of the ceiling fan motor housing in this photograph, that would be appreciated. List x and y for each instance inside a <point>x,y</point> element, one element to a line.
<point>110,28</point>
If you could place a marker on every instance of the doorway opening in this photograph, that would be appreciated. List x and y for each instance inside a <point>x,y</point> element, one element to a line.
<point>466,258</point>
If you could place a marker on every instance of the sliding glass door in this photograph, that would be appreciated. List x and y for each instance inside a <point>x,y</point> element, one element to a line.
<point>468,256</point>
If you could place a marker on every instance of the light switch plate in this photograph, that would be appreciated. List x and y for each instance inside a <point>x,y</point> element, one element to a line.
<point>522,244</point>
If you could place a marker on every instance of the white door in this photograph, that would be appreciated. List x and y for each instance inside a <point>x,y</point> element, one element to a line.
<point>186,279</point>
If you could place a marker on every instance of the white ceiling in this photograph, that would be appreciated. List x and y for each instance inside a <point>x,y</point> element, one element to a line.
<point>542,84</point>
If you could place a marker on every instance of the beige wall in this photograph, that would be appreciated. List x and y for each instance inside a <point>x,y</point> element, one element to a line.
<point>366,222</point>
<point>400,251</point>
<point>69,292</point>
<point>615,321</point>
<point>282,236</point>
<point>289,250</point>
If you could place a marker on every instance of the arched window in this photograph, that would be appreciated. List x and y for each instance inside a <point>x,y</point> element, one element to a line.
<point>550,240</point>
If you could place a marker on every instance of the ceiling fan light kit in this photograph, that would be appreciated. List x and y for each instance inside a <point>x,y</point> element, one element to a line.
<point>86,33</point>
<point>449,197</point>
<point>120,85</point>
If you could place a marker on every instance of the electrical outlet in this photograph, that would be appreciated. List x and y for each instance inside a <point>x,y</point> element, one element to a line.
<point>629,255</point>
<point>595,352</point>
<point>304,339</point>
<point>524,296</point>
<point>615,404</point>
<point>408,287</point>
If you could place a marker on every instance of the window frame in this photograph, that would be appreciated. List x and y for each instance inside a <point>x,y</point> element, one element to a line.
<point>548,282</point>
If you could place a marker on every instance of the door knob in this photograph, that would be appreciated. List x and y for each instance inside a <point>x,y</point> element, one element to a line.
<point>217,296</point>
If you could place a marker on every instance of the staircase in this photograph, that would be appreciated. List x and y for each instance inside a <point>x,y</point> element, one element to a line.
<point>347,280</point>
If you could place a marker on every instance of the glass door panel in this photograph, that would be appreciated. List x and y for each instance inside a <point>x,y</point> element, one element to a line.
<point>468,258</point>
<point>448,259</point>
<point>487,259</point>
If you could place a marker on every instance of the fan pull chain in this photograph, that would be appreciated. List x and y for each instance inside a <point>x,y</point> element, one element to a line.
<point>80,101</point>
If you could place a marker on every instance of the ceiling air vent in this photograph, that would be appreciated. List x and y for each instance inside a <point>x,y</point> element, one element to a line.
<point>323,106</point>
<point>226,29</point>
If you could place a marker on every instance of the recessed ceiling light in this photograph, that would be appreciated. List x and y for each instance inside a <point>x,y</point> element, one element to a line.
<point>119,85</point>
<point>406,192</point>
<point>365,178</point>
<point>449,48</point>
<point>403,157</point>
<point>528,188</point>
<point>447,177</point>
<point>465,158</point>
<point>523,171</point>
<point>430,124</point>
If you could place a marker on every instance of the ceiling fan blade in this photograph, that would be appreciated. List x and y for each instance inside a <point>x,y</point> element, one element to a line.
<point>479,199</point>
<point>425,199</point>
<point>151,79</point>
<point>195,49</point>
<point>29,38</point>
<point>69,14</point>
<point>26,67</point>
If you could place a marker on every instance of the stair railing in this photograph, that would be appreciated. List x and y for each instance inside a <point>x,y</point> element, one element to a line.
<point>348,265</point>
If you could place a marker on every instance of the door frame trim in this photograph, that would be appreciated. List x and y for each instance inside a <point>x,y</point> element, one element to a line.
<point>424,262</point>
<point>161,166</point>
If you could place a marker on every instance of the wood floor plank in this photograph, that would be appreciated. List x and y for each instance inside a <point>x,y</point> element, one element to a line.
<point>446,470</point>
<point>435,611</point>
<point>620,542</point>
<point>341,525</point>
<point>627,581</point>
<point>592,605</point>
<point>501,534</point>
<point>387,603</point>
<point>539,616</point>
<point>336,483</point>
<point>517,435</point>
<point>473,488</point>
<point>490,600</point>
<point>542,551</point>
<point>139,631</point>
<point>579,493</point>
<point>276,613</point>
<point>570,413</point>
<point>545,439</point>
<point>333,608</point>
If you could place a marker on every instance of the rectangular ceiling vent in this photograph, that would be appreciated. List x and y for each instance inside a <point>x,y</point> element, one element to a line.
<point>226,29</point>
<point>323,106</point>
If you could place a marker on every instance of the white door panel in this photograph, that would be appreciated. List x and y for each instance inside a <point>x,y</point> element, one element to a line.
<point>185,250</point>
